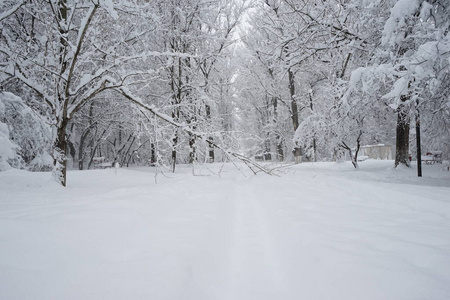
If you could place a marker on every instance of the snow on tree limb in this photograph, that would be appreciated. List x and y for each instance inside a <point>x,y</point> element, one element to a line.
<point>12,10</point>
<point>81,35</point>
<point>401,10</point>
<point>39,89</point>
<point>253,166</point>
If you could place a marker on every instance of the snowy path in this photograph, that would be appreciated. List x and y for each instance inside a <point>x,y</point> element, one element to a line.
<point>255,264</point>
<point>321,231</point>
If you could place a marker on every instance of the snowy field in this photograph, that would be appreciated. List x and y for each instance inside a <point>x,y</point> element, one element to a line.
<point>318,231</point>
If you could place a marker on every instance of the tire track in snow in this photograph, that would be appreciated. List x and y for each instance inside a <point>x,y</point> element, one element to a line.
<point>255,270</point>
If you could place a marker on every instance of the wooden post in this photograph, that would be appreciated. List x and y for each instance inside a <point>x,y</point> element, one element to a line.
<point>419,151</point>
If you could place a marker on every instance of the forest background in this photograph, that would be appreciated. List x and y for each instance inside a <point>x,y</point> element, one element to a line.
<point>188,81</point>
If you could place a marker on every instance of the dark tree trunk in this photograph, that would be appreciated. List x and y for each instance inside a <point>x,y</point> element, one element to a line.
<point>71,149</point>
<point>192,154</point>
<point>81,154</point>
<point>294,106</point>
<point>192,140</point>
<point>353,156</point>
<point>402,138</point>
<point>358,146</point>
<point>267,150</point>
<point>403,120</point>
<point>174,151</point>
<point>210,138</point>
<point>124,161</point>
<point>311,106</point>
<point>211,149</point>
<point>95,144</point>
<point>153,153</point>
<point>315,149</point>
<point>60,143</point>
<point>280,152</point>
<point>176,86</point>
<point>297,151</point>
<point>81,148</point>
<point>59,154</point>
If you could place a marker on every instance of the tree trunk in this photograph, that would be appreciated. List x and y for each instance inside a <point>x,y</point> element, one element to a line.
<point>175,86</point>
<point>403,120</point>
<point>192,154</point>
<point>297,151</point>
<point>153,153</point>
<point>358,146</point>
<point>81,148</point>
<point>210,138</point>
<point>280,152</point>
<point>71,150</point>
<point>294,106</point>
<point>402,138</point>
<point>211,149</point>
<point>311,106</point>
<point>174,151</point>
<point>267,148</point>
<point>353,157</point>
<point>315,149</point>
<point>95,144</point>
<point>60,143</point>
<point>80,153</point>
<point>192,139</point>
<point>124,160</point>
<point>59,154</point>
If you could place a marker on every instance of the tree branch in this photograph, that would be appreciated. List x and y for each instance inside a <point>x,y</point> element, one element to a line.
<point>12,10</point>
<point>250,163</point>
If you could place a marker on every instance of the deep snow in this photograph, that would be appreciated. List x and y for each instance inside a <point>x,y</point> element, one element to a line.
<point>318,231</point>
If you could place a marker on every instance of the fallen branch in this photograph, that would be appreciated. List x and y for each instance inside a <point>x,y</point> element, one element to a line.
<point>252,165</point>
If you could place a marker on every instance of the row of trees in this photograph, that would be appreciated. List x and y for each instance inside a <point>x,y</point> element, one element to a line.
<point>170,81</point>
<point>325,77</point>
<point>77,62</point>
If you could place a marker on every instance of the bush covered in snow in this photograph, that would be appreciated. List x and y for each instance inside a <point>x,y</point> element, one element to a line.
<point>24,136</point>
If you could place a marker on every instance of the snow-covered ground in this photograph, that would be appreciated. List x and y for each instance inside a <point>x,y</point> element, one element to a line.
<point>318,231</point>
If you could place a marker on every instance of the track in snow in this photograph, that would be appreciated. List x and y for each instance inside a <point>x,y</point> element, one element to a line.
<point>255,271</point>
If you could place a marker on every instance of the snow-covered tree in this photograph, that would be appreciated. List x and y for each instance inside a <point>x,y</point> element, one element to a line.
<point>26,138</point>
<point>57,49</point>
<point>410,65</point>
<point>7,147</point>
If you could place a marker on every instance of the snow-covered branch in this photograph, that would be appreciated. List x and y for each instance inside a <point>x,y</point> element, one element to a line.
<point>12,10</point>
<point>250,163</point>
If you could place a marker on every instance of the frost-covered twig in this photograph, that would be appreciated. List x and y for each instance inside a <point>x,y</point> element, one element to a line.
<point>12,10</point>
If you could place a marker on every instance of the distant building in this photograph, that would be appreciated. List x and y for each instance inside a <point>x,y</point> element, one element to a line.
<point>379,151</point>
